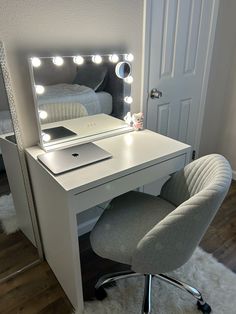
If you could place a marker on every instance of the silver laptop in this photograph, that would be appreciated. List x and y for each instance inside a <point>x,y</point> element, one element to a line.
<point>67,159</point>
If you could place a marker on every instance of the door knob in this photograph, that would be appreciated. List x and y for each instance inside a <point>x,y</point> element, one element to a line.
<point>155,93</point>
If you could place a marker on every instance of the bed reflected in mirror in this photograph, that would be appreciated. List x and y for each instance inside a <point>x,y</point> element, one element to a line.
<point>17,240</point>
<point>79,96</point>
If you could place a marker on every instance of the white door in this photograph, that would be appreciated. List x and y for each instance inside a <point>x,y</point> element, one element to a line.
<point>181,40</point>
<point>182,33</point>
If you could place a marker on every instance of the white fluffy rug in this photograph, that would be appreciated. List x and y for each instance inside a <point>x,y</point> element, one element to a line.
<point>7,214</point>
<point>215,281</point>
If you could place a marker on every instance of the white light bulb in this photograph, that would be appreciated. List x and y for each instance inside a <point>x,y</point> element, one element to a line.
<point>129,79</point>
<point>114,58</point>
<point>46,137</point>
<point>58,61</point>
<point>97,59</point>
<point>39,89</point>
<point>43,114</point>
<point>78,60</point>
<point>36,62</point>
<point>128,99</point>
<point>129,57</point>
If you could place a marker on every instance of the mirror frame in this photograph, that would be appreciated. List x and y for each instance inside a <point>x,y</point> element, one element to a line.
<point>10,96</point>
<point>21,153</point>
<point>50,146</point>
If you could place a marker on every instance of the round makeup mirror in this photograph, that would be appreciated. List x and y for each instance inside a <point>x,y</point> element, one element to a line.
<point>123,69</point>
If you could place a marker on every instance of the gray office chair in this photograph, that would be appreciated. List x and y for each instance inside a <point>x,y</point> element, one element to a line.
<point>155,235</point>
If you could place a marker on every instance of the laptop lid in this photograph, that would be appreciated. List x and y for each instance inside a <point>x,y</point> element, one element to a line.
<point>63,160</point>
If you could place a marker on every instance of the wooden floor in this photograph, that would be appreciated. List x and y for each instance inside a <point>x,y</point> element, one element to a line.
<point>37,290</point>
<point>16,251</point>
<point>220,239</point>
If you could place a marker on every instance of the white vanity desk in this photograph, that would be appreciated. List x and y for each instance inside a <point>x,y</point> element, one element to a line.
<point>138,158</point>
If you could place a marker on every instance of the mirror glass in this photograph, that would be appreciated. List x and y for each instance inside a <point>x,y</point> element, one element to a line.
<point>17,239</point>
<point>80,96</point>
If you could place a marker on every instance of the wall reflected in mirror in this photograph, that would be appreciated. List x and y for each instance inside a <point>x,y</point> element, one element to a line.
<point>17,241</point>
<point>79,96</point>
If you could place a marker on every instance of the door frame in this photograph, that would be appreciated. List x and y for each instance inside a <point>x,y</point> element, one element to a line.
<point>146,48</point>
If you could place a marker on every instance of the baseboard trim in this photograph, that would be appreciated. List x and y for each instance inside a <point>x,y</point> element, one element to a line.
<point>234,175</point>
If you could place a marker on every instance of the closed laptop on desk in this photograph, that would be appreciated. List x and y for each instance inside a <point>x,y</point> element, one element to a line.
<point>67,159</point>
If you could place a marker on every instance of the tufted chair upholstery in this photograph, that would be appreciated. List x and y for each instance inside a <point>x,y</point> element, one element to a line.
<point>155,235</point>
<point>198,191</point>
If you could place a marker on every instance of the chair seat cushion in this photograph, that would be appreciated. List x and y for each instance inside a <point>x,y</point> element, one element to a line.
<point>124,223</point>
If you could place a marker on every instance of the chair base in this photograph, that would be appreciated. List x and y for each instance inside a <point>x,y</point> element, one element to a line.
<point>205,308</point>
<point>109,280</point>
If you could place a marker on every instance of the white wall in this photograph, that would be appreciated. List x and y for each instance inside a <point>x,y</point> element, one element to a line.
<point>227,135</point>
<point>219,128</point>
<point>46,27</point>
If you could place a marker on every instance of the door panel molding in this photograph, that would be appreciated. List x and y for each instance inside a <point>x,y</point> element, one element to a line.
<point>170,20</point>
<point>163,118</point>
<point>184,118</point>
<point>193,36</point>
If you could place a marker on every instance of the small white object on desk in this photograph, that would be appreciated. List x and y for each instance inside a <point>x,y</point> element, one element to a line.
<point>135,120</point>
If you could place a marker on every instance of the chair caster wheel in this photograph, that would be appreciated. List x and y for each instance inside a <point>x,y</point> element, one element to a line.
<point>100,293</point>
<point>205,308</point>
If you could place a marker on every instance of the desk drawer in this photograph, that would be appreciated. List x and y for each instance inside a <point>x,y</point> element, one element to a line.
<point>111,189</point>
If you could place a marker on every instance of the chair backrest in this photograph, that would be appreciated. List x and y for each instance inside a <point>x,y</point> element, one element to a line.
<point>198,191</point>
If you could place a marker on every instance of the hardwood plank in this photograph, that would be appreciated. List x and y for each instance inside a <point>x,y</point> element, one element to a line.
<point>37,303</point>
<point>34,291</point>
<point>16,252</point>
<point>220,238</point>
<point>7,240</point>
<point>60,306</point>
<point>42,270</point>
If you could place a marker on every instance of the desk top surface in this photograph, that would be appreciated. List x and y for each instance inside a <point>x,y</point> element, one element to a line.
<point>131,152</point>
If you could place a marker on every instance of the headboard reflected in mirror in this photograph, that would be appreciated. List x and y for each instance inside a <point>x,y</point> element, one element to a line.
<point>77,97</point>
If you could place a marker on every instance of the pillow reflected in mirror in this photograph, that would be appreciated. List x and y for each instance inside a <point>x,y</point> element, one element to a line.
<point>54,112</point>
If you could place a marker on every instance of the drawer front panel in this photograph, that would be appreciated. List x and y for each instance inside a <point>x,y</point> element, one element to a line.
<point>109,190</point>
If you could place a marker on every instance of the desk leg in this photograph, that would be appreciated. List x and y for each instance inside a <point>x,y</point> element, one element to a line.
<point>58,227</point>
<point>76,300</point>
<point>62,253</point>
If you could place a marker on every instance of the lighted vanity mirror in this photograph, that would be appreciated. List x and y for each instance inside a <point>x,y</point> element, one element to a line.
<point>77,97</point>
